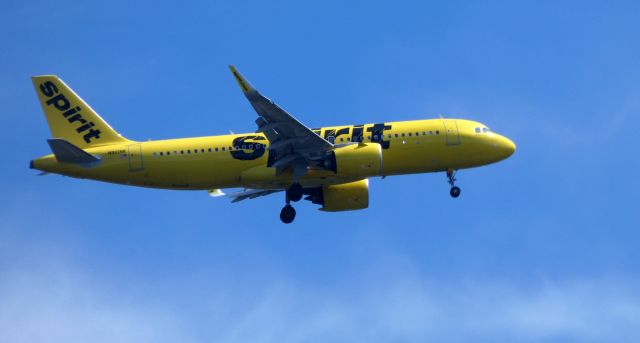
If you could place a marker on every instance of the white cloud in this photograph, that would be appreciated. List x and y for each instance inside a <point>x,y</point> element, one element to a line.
<point>48,295</point>
<point>59,302</point>
<point>56,305</point>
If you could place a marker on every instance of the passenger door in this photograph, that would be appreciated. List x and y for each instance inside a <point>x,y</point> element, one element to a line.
<point>135,158</point>
<point>451,131</point>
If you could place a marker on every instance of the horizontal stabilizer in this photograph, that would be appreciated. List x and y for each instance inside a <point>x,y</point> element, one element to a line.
<point>68,153</point>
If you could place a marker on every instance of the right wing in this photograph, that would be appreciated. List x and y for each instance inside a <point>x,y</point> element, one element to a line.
<point>294,145</point>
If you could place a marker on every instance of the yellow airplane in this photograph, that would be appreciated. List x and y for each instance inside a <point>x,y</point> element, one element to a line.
<point>329,165</point>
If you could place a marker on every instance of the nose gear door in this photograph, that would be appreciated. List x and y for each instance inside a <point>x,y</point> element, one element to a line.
<point>451,131</point>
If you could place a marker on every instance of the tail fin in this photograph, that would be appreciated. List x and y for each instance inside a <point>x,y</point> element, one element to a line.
<point>71,118</point>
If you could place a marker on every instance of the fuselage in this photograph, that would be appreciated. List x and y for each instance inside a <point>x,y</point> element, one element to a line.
<point>240,160</point>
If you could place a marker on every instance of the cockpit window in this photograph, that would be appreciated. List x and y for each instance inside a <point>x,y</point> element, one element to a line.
<point>485,130</point>
<point>477,130</point>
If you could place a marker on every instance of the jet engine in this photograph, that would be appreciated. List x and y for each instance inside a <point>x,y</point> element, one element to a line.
<point>342,197</point>
<point>356,160</point>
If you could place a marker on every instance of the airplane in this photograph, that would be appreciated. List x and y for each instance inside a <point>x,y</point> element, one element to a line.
<point>328,166</point>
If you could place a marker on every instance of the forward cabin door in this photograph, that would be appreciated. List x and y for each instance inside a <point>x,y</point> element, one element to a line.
<point>135,157</point>
<point>451,131</point>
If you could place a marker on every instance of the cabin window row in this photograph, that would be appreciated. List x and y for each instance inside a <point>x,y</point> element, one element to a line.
<point>397,135</point>
<point>211,150</point>
<point>263,146</point>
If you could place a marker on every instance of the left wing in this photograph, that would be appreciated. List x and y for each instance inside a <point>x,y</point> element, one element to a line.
<point>294,145</point>
<point>251,194</point>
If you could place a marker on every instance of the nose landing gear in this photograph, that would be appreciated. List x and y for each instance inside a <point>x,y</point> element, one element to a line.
<point>455,190</point>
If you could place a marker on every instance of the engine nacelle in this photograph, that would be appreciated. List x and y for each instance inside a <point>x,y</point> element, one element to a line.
<point>346,196</point>
<point>356,160</point>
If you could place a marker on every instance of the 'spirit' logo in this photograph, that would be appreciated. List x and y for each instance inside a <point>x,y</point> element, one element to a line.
<point>73,115</point>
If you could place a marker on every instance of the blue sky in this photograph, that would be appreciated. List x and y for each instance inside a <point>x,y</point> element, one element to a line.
<point>541,247</point>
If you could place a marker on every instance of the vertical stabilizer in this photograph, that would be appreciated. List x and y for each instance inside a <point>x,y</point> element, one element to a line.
<point>71,118</point>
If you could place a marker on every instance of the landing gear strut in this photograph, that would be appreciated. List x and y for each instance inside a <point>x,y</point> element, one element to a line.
<point>293,193</point>
<point>455,190</point>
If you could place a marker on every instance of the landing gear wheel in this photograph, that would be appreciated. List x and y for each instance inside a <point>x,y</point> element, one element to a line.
<point>288,214</point>
<point>295,192</point>
<point>455,191</point>
<point>451,176</point>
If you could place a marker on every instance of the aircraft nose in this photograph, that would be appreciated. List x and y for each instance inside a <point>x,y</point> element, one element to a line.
<point>505,146</point>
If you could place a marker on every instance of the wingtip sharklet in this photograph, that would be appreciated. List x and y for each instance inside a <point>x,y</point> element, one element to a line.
<point>242,82</point>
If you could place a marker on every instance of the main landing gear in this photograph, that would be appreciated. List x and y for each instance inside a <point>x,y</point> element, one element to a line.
<point>288,214</point>
<point>455,190</point>
<point>293,193</point>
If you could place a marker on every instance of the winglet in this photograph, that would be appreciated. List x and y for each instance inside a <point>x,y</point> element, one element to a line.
<point>242,82</point>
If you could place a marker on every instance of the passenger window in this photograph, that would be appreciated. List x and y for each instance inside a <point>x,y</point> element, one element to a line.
<point>396,135</point>
<point>188,151</point>
<point>161,153</point>
<point>195,151</point>
<point>431,132</point>
<point>437,132</point>
<point>409,134</point>
<point>403,134</point>
<point>181,152</point>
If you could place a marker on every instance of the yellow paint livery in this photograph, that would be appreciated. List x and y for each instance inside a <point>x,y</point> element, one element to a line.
<point>329,165</point>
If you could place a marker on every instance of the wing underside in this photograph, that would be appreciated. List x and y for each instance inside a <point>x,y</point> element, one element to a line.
<point>251,194</point>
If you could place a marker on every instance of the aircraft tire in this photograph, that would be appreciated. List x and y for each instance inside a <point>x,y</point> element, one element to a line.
<point>295,192</point>
<point>288,214</point>
<point>454,192</point>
